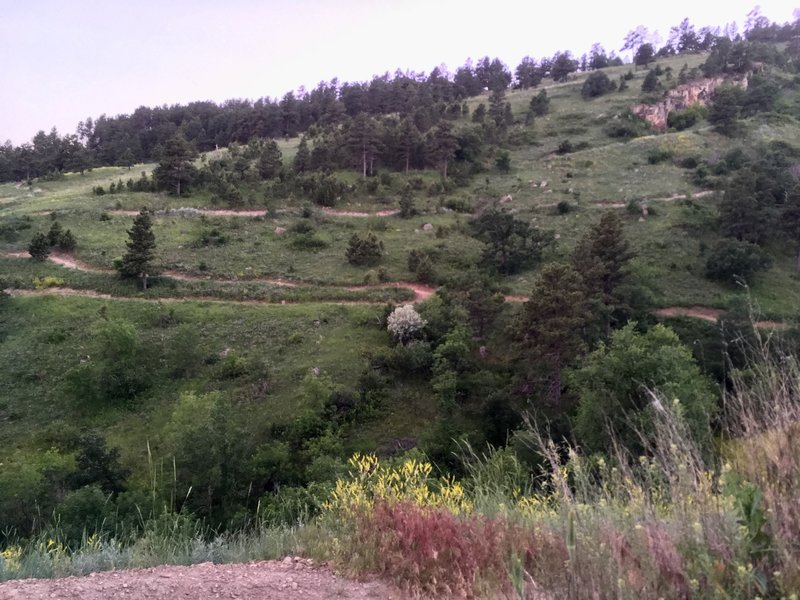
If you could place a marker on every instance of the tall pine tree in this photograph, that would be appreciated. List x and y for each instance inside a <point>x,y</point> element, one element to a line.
<point>138,260</point>
<point>601,258</point>
<point>550,327</point>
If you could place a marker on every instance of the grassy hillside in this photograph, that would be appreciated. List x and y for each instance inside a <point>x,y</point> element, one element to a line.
<point>259,359</point>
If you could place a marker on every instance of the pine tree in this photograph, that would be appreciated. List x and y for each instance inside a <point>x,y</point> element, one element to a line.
<point>176,170</point>
<point>302,158</point>
<point>39,248</point>
<point>442,145</point>
<point>408,138</point>
<point>269,160</point>
<point>67,243</point>
<point>551,325</point>
<point>363,138</point>
<point>55,233</point>
<point>137,261</point>
<point>601,258</point>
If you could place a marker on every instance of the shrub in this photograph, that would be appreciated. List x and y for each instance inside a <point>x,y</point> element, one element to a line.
<point>407,208</point>
<point>563,207</point>
<point>66,242</point>
<point>683,119</point>
<point>47,282</point>
<point>731,259</point>
<point>308,241</point>
<point>651,82</point>
<point>404,323</point>
<point>658,155</point>
<point>596,85</point>
<point>39,248</point>
<point>54,235</point>
<point>364,251</point>
<point>503,161</point>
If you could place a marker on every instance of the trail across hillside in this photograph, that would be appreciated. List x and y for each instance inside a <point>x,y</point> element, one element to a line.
<point>672,198</point>
<point>421,291</point>
<point>235,212</point>
<point>263,580</point>
<point>707,313</point>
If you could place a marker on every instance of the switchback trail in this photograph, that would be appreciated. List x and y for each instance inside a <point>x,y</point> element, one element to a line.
<point>235,212</point>
<point>421,291</point>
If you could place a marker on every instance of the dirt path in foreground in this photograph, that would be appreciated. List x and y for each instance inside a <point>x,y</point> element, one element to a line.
<point>263,580</point>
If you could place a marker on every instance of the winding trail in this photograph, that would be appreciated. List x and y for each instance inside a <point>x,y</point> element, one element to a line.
<point>672,198</point>
<point>235,212</point>
<point>421,291</point>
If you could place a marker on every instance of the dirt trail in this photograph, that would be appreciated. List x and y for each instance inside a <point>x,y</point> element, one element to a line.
<point>353,213</point>
<point>421,292</point>
<point>235,212</point>
<point>263,580</point>
<point>209,212</point>
<point>709,314</point>
<point>672,198</point>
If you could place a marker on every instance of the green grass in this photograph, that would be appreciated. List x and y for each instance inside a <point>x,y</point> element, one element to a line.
<point>43,338</point>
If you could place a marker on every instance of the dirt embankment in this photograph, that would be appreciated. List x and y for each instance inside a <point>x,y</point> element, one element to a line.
<point>264,580</point>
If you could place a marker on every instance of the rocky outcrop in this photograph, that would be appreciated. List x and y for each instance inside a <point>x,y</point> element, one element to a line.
<point>699,92</point>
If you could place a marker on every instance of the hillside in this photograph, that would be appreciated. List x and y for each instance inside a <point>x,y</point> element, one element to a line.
<point>541,253</point>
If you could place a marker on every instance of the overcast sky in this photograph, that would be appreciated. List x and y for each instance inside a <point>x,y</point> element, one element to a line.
<point>64,60</point>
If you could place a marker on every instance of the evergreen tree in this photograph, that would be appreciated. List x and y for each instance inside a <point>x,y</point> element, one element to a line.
<point>511,244</point>
<point>127,159</point>
<point>540,104</point>
<point>363,138</point>
<point>480,113</point>
<point>67,243</point>
<point>550,326</point>
<point>364,251</point>
<point>137,261</point>
<point>55,233</point>
<point>408,138</point>
<point>741,215</point>
<point>39,248</point>
<point>176,170</point>
<point>269,160</point>
<point>651,82</point>
<point>302,158</point>
<point>601,258</point>
<point>724,112</point>
<point>497,108</point>
<point>442,145</point>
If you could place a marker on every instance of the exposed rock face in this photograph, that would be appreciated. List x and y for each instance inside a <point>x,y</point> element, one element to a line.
<point>699,92</point>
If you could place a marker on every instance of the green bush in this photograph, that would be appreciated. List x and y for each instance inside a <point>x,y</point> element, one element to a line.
<point>596,85</point>
<point>364,251</point>
<point>731,259</point>
<point>39,248</point>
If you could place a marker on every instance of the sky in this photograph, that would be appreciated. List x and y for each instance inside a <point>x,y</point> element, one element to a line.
<point>64,60</point>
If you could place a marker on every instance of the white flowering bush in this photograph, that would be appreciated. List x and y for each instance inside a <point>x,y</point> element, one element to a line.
<point>404,323</point>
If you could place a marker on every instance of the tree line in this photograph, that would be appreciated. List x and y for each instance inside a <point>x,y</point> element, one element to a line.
<point>140,136</point>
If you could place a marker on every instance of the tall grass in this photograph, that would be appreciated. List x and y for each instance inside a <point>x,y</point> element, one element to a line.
<point>673,523</point>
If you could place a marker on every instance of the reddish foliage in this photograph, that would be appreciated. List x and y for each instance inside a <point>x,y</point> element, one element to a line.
<point>433,552</point>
